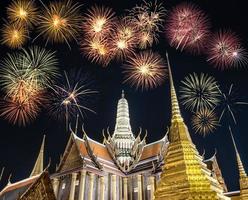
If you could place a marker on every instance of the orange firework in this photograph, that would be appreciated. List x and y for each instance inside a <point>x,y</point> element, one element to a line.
<point>14,35</point>
<point>23,12</point>
<point>97,49</point>
<point>98,21</point>
<point>146,70</point>
<point>60,22</point>
<point>21,111</point>
<point>124,39</point>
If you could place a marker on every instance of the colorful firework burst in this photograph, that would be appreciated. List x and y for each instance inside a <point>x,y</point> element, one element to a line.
<point>98,21</point>
<point>225,50</point>
<point>229,103</point>
<point>60,22</point>
<point>24,78</point>
<point>70,98</point>
<point>148,19</point>
<point>14,35</point>
<point>204,121</point>
<point>146,70</point>
<point>187,27</point>
<point>199,92</point>
<point>23,12</point>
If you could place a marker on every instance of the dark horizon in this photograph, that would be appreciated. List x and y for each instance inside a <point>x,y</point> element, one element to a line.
<point>19,146</point>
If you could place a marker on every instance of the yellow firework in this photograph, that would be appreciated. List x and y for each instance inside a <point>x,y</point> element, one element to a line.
<point>97,49</point>
<point>23,12</point>
<point>204,121</point>
<point>98,21</point>
<point>14,35</point>
<point>124,39</point>
<point>60,22</point>
<point>145,70</point>
<point>145,39</point>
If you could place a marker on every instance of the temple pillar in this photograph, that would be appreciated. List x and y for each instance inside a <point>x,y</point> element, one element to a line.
<point>125,188</point>
<point>113,187</point>
<point>56,186</point>
<point>91,186</point>
<point>73,185</point>
<point>82,185</point>
<point>140,190</point>
<point>102,188</point>
<point>152,186</point>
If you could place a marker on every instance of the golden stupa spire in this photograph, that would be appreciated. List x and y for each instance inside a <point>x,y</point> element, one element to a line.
<point>243,178</point>
<point>184,174</point>
<point>176,114</point>
<point>38,167</point>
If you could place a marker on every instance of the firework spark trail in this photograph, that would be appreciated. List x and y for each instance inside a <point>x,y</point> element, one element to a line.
<point>23,12</point>
<point>69,99</point>
<point>187,27</point>
<point>199,92</point>
<point>225,50</point>
<point>204,121</point>
<point>229,101</point>
<point>14,35</point>
<point>60,22</point>
<point>145,70</point>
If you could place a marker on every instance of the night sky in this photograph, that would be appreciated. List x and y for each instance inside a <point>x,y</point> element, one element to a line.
<point>149,109</point>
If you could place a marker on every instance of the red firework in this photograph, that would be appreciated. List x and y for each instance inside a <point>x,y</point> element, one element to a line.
<point>187,28</point>
<point>225,50</point>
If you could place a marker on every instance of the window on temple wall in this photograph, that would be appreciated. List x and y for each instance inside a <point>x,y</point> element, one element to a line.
<point>63,186</point>
<point>77,182</point>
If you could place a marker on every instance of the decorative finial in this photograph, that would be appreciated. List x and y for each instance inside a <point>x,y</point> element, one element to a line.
<point>9,179</point>
<point>242,172</point>
<point>1,175</point>
<point>123,94</point>
<point>38,167</point>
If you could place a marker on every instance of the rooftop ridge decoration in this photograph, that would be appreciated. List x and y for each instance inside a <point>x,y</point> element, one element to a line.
<point>38,167</point>
<point>184,174</point>
<point>243,178</point>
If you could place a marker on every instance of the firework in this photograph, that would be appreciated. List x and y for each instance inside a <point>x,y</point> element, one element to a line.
<point>60,22</point>
<point>97,49</point>
<point>146,70</point>
<point>199,92</point>
<point>124,39</point>
<point>34,68</point>
<point>187,27</point>
<point>70,98</point>
<point>14,35</point>
<point>225,50</point>
<point>98,21</point>
<point>23,12</point>
<point>148,19</point>
<point>20,112</point>
<point>204,121</point>
<point>229,103</point>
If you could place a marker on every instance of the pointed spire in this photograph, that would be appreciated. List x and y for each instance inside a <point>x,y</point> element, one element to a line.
<point>123,94</point>
<point>38,167</point>
<point>1,175</point>
<point>242,172</point>
<point>175,110</point>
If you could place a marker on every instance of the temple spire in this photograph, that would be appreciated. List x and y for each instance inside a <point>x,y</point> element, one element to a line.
<point>242,172</point>
<point>176,114</point>
<point>38,167</point>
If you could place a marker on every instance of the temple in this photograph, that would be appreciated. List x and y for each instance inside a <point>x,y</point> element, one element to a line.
<point>125,167</point>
